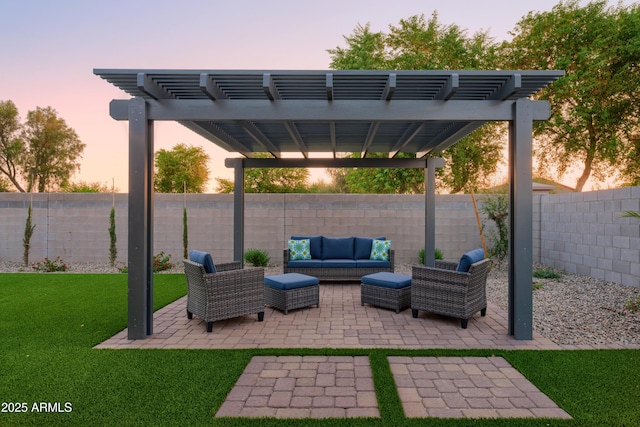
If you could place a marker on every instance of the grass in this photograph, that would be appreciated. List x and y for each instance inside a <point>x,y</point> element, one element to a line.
<point>50,322</point>
<point>546,273</point>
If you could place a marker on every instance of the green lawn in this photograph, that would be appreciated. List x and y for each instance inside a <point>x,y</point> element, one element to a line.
<point>50,322</point>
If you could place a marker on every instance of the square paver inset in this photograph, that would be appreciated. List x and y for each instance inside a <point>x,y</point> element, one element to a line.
<point>470,387</point>
<point>303,387</point>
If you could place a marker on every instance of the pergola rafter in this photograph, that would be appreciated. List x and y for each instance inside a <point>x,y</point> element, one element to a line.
<point>250,111</point>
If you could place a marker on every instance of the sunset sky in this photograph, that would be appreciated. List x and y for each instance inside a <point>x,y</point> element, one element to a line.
<point>49,50</point>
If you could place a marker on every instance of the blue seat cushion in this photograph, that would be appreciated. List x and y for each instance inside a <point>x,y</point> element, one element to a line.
<point>290,281</point>
<point>305,263</point>
<point>372,263</point>
<point>362,245</point>
<point>387,280</point>
<point>337,248</point>
<point>338,263</point>
<point>203,258</point>
<point>315,244</point>
<point>469,258</point>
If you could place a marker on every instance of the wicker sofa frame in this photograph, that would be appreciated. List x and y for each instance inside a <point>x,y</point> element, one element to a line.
<point>445,291</point>
<point>337,274</point>
<point>229,292</point>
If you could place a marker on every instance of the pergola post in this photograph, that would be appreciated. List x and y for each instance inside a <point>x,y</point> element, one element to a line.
<point>521,221</point>
<point>430,210</point>
<point>140,244</point>
<point>238,208</point>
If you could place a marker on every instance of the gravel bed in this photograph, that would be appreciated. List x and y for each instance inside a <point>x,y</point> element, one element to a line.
<point>569,310</point>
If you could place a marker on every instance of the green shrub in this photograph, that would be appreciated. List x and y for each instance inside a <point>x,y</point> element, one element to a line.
<point>631,306</point>
<point>546,273</point>
<point>48,265</point>
<point>162,262</point>
<point>257,257</point>
<point>437,253</point>
<point>496,208</point>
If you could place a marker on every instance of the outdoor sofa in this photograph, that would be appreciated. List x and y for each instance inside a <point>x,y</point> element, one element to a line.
<point>338,258</point>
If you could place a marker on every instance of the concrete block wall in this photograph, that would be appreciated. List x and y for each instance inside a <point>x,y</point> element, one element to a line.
<point>584,233</point>
<point>577,232</point>
<point>75,226</point>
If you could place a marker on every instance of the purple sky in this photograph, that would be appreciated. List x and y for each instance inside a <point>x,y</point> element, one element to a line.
<point>49,50</point>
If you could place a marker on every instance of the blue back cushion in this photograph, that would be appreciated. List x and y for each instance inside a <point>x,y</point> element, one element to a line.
<point>203,258</point>
<point>363,246</point>
<point>469,258</point>
<point>315,244</point>
<point>337,248</point>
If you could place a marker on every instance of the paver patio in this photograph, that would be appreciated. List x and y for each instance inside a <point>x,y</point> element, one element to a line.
<point>339,322</point>
<point>327,386</point>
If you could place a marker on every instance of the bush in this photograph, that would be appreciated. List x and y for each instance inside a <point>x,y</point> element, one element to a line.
<point>437,252</point>
<point>48,265</point>
<point>546,273</point>
<point>257,257</point>
<point>161,262</point>
<point>631,306</point>
<point>496,208</point>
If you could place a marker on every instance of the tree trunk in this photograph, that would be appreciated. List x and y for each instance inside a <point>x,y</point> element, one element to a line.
<point>588,161</point>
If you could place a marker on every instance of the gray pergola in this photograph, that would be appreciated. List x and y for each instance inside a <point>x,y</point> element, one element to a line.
<point>252,111</point>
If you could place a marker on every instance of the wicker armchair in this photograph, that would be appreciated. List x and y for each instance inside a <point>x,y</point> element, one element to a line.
<point>445,291</point>
<point>229,292</point>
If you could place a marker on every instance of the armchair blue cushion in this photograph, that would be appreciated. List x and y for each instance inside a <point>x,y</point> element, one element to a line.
<point>469,258</point>
<point>203,258</point>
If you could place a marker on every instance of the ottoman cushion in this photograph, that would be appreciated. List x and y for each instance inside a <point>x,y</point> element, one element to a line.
<point>387,280</point>
<point>290,281</point>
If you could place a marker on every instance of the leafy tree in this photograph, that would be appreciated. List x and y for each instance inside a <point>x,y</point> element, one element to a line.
<point>269,180</point>
<point>5,185</point>
<point>418,43</point>
<point>380,180</point>
<point>52,150</point>
<point>630,168</point>
<point>85,187</point>
<point>11,146</point>
<point>472,160</point>
<point>594,106</point>
<point>179,167</point>
<point>366,51</point>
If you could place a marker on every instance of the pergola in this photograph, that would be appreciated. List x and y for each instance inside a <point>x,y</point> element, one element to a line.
<point>251,111</point>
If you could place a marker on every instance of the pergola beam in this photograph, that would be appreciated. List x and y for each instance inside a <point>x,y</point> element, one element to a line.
<point>210,88</point>
<point>259,137</point>
<point>328,111</point>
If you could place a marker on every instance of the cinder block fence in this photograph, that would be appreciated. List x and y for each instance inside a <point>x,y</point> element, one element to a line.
<point>578,232</point>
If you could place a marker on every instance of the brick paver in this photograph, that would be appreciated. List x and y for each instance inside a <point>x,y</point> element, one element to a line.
<point>339,322</point>
<point>307,393</point>
<point>471,392</point>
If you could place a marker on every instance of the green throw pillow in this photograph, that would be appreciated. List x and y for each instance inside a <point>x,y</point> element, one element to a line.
<point>380,250</point>
<point>299,249</point>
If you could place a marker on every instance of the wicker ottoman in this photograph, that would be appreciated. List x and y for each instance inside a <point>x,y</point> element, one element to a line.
<point>291,290</point>
<point>387,290</point>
